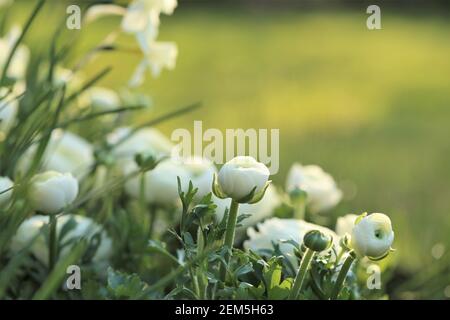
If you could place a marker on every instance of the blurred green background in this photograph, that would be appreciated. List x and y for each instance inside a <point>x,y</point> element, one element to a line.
<point>370,107</point>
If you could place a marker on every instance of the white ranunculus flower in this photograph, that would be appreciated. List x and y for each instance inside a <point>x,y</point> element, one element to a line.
<point>239,176</point>
<point>345,224</point>
<point>143,141</point>
<point>50,192</point>
<point>323,193</point>
<point>201,171</point>
<point>277,230</point>
<point>100,99</point>
<point>84,227</point>
<point>372,236</point>
<point>161,185</point>
<point>19,62</point>
<point>68,152</point>
<point>8,109</point>
<point>157,56</point>
<point>257,211</point>
<point>5,183</point>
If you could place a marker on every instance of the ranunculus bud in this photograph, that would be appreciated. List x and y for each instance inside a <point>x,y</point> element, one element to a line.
<point>372,236</point>
<point>5,183</point>
<point>242,179</point>
<point>50,192</point>
<point>317,241</point>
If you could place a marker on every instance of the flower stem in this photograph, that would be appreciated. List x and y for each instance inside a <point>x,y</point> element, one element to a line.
<point>153,211</point>
<point>142,203</point>
<point>229,234</point>
<point>53,242</point>
<point>301,274</point>
<point>300,207</point>
<point>342,275</point>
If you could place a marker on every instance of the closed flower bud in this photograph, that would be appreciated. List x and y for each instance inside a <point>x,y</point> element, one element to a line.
<point>5,184</point>
<point>372,236</point>
<point>242,177</point>
<point>50,192</point>
<point>317,241</point>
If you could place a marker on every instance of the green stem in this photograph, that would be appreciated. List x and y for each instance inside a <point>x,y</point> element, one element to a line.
<point>153,212</point>
<point>142,203</point>
<point>195,283</point>
<point>53,242</point>
<point>342,275</point>
<point>229,234</point>
<point>301,274</point>
<point>300,207</point>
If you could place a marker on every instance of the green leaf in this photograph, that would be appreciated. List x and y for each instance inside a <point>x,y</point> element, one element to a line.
<point>243,269</point>
<point>125,286</point>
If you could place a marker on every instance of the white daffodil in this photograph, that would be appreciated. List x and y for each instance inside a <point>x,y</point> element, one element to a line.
<point>5,184</point>
<point>83,227</point>
<point>275,231</point>
<point>100,10</point>
<point>144,14</point>
<point>50,192</point>
<point>241,175</point>
<point>322,191</point>
<point>160,184</point>
<point>157,56</point>
<point>372,236</point>
<point>19,62</point>
<point>345,224</point>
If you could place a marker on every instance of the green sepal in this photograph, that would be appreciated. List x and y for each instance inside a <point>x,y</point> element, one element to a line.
<point>380,257</point>
<point>259,195</point>
<point>360,217</point>
<point>216,189</point>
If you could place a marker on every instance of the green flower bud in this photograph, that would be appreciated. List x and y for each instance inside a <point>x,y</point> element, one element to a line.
<point>146,161</point>
<point>317,241</point>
